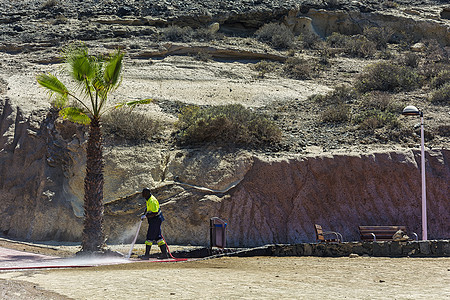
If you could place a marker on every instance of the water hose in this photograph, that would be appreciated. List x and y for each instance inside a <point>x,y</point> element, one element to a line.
<point>167,246</point>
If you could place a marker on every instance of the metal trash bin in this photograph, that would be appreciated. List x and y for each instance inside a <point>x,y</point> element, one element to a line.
<point>218,232</point>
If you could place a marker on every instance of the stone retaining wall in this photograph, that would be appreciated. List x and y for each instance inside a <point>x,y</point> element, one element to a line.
<point>437,248</point>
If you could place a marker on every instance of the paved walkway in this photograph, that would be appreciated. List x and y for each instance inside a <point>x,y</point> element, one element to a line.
<point>18,260</point>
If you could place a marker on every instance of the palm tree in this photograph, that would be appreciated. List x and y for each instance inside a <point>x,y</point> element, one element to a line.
<point>95,77</point>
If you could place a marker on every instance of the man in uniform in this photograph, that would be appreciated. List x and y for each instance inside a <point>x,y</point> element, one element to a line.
<point>154,218</point>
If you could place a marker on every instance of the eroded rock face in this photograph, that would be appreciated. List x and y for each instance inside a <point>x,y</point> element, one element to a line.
<point>264,200</point>
<point>36,168</point>
<point>280,201</point>
<point>270,201</point>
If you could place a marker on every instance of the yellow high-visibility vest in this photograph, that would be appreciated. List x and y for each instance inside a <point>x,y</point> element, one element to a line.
<point>152,204</point>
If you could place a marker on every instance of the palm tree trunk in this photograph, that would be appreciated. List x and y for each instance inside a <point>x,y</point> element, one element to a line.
<point>93,235</point>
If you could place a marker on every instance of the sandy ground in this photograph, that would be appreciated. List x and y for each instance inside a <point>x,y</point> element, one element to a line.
<point>233,278</point>
<point>245,278</point>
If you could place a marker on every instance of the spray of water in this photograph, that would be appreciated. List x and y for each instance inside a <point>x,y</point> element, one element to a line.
<point>126,237</point>
<point>134,240</point>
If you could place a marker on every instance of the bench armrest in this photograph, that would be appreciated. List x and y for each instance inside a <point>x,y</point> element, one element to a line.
<point>337,234</point>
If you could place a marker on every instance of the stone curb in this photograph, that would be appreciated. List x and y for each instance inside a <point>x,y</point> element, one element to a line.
<point>437,248</point>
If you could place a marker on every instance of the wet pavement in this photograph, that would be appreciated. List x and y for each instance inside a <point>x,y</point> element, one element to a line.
<point>18,260</point>
<point>11,260</point>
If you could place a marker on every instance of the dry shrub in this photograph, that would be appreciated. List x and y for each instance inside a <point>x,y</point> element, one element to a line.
<point>379,100</point>
<point>337,40</point>
<point>443,130</point>
<point>336,114</point>
<point>263,67</point>
<point>435,52</point>
<point>276,35</point>
<point>430,70</point>
<point>203,56</point>
<point>360,46</point>
<point>311,41</point>
<point>353,46</point>
<point>129,125</point>
<point>441,95</point>
<point>299,68</point>
<point>375,118</point>
<point>377,109</point>
<point>410,60</point>
<point>340,95</point>
<point>337,108</point>
<point>388,76</point>
<point>176,33</point>
<point>206,34</point>
<point>49,4</point>
<point>378,35</point>
<point>231,124</point>
<point>390,4</point>
<point>441,79</point>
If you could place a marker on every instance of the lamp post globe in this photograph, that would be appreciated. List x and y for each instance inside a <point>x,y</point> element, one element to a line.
<point>411,110</point>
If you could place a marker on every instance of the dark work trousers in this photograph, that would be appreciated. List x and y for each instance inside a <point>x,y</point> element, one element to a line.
<point>154,228</point>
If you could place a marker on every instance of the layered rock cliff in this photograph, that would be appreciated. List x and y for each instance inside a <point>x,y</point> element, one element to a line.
<point>264,200</point>
<point>266,197</point>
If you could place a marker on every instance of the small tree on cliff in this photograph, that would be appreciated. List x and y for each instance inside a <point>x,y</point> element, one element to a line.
<point>95,77</point>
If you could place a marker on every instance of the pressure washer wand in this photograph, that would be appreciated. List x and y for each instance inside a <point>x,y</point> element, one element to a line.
<point>135,238</point>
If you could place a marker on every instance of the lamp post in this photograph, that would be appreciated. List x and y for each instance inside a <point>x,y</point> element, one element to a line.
<point>413,111</point>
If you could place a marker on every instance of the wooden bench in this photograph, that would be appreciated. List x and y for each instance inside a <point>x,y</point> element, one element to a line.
<point>381,233</point>
<point>322,235</point>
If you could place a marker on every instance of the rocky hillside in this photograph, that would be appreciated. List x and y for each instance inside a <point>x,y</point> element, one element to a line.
<point>340,174</point>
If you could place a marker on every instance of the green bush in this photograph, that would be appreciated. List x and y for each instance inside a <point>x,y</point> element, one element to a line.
<point>231,124</point>
<point>387,76</point>
<point>129,125</point>
<point>276,35</point>
<point>441,95</point>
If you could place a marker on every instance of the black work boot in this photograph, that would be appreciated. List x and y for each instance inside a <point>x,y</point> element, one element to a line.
<point>147,252</point>
<point>164,253</point>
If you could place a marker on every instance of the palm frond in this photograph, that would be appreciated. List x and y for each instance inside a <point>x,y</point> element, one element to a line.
<point>81,68</point>
<point>54,86</point>
<point>112,70</point>
<point>133,103</point>
<point>75,115</point>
